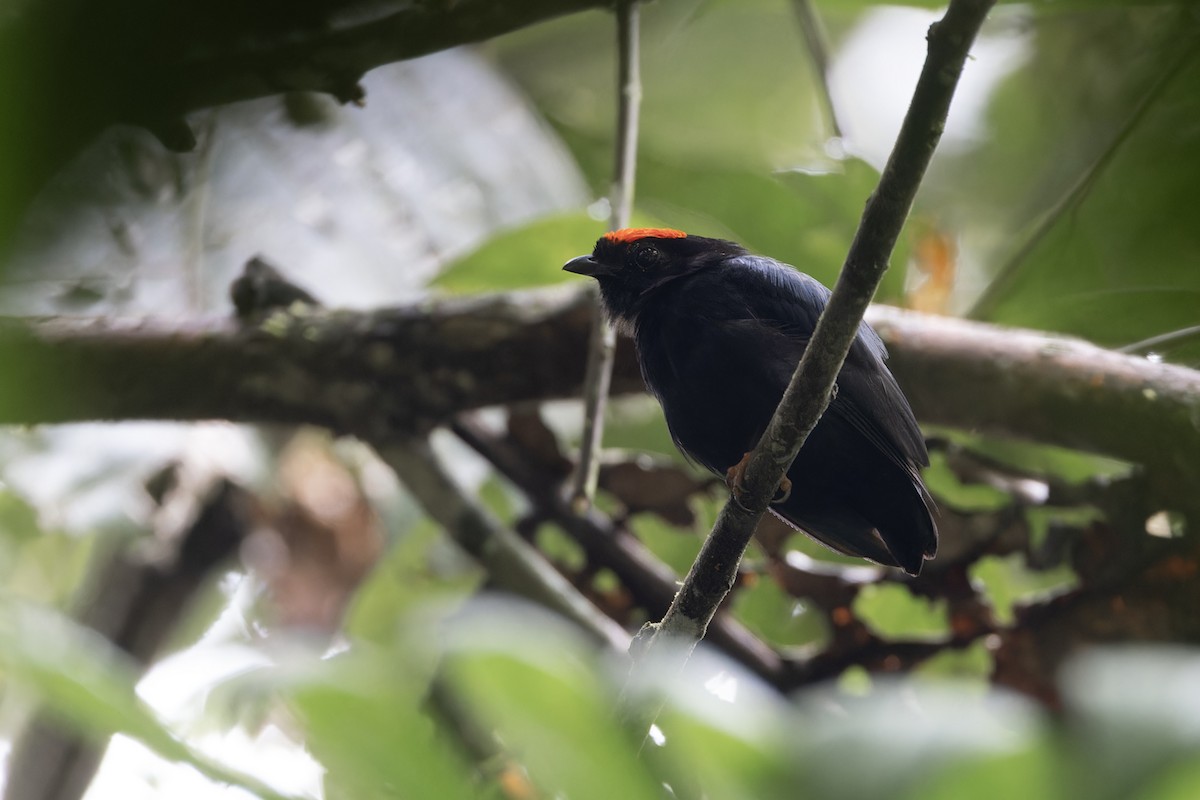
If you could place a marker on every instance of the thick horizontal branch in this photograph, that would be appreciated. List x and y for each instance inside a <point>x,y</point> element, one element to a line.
<point>1050,389</point>
<point>409,368</point>
<point>382,372</point>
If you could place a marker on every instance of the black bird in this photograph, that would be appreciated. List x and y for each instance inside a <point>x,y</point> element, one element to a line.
<point>719,333</point>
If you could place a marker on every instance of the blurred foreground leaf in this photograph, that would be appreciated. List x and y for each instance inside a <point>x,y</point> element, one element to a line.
<point>81,678</point>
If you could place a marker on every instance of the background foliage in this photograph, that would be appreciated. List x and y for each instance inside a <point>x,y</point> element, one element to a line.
<point>345,648</point>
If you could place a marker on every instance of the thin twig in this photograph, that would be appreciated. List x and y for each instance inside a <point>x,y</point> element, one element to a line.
<point>603,344</point>
<point>1170,339</point>
<point>1000,284</point>
<point>816,45</point>
<point>667,645</point>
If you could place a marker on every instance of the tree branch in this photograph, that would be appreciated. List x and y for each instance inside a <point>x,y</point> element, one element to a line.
<point>651,583</point>
<point>510,562</point>
<point>400,369</point>
<point>713,573</point>
<point>415,367</point>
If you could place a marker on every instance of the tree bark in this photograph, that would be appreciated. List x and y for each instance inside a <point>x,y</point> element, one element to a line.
<point>410,368</point>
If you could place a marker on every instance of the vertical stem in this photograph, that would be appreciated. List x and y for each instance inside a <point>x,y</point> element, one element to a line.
<point>817,46</point>
<point>604,339</point>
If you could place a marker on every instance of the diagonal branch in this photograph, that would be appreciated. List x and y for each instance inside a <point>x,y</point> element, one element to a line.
<point>650,581</point>
<point>510,562</point>
<point>808,394</point>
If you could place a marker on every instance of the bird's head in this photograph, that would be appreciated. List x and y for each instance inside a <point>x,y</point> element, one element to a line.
<point>632,263</point>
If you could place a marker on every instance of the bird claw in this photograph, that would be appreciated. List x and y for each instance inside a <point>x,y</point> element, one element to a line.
<point>733,479</point>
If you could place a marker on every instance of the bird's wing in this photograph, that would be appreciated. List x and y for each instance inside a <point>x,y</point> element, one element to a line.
<point>785,304</point>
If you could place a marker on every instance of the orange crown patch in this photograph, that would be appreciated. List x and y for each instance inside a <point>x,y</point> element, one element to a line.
<point>627,235</point>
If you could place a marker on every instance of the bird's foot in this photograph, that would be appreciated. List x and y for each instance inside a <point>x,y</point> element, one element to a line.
<point>733,479</point>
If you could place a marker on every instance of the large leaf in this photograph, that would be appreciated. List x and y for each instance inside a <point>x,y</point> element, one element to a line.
<point>81,678</point>
<point>1097,155</point>
<point>533,680</point>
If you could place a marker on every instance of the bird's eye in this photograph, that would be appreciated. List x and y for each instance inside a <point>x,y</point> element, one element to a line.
<point>646,256</point>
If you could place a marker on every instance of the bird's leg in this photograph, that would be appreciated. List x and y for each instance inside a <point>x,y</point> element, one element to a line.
<point>733,479</point>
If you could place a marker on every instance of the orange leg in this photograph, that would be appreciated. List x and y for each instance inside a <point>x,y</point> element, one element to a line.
<point>733,479</point>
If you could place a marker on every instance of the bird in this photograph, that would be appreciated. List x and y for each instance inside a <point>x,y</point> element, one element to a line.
<point>718,333</point>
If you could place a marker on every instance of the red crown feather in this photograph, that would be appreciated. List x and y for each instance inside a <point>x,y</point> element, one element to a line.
<point>627,235</point>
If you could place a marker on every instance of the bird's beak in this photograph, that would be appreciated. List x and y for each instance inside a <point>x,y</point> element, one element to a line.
<point>586,265</point>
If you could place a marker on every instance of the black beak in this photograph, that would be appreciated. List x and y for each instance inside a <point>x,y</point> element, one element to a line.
<point>586,265</point>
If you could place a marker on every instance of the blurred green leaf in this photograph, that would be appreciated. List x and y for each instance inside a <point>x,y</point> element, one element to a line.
<point>556,546</point>
<point>893,612</point>
<point>766,117</point>
<point>528,675</point>
<point>18,519</point>
<point>407,578</point>
<point>780,619</point>
<point>723,734</point>
<point>968,666</point>
<point>1178,782</point>
<point>82,678</point>
<point>675,547</point>
<point>895,739</point>
<point>1133,713</point>
<point>637,423</point>
<point>950,491</point>
<point>1006,582</point>
<point>1034,772</point>
<point>1032,458</point>
<point>364,723</point>
<point>1114,263</point>
<point>531,255</point>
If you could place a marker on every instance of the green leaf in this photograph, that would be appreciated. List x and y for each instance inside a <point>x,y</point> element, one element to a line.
<point>675,547</point>
<point>723,734</point>
<point>637,423</point>
<point>559,548</point>
<point>80,677</point>
<point>412,575</point>
<point>1006,582</point>
<point>530,677</point>
<point>363,721</point>
<point>1032,458</point>
<point>950,491</point>
<point>891,611</point>
<point>1034,772</point>
<point>1108,184</point>
<point>531,255</point>
<point>780,619</point>
<point>900,735</point>
<point>1133,713</point>
<point>971,665</point>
